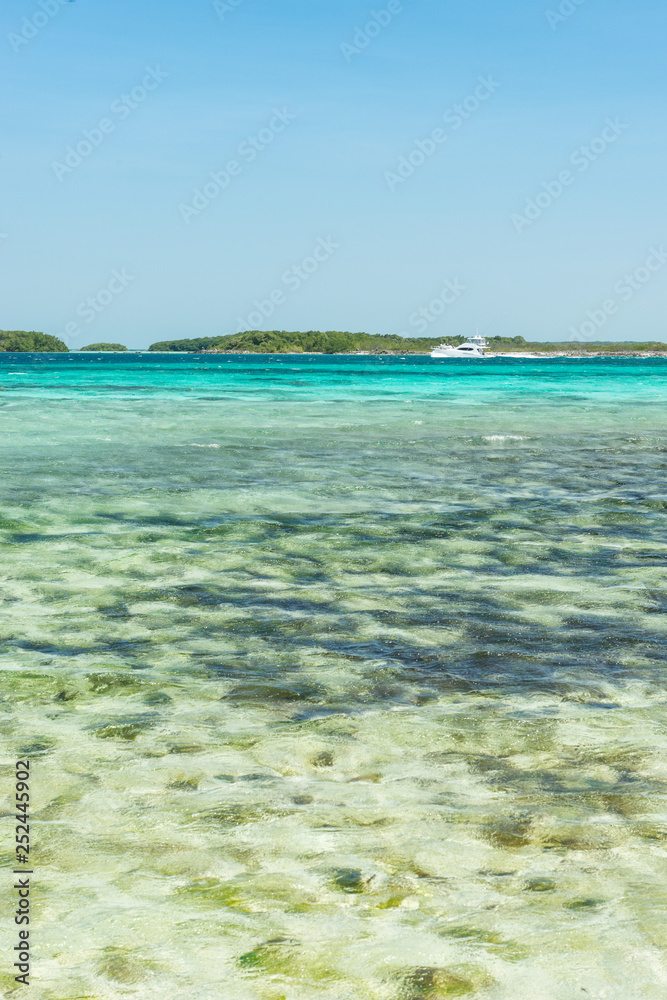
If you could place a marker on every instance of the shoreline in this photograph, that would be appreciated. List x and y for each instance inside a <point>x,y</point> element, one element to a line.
<point>519,355</point>
<point>424,354</point>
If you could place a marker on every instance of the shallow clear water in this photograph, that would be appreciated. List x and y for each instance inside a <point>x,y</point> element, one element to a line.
<point>341,677</point>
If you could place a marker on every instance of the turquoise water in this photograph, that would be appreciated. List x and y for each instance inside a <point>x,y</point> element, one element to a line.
<point>342,678</point>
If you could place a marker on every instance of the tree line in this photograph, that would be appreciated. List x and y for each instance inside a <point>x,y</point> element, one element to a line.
<point>312,342</point>
<point>21,341</point>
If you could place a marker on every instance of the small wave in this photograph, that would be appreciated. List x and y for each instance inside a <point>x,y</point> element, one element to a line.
<point>204,445</point>
<point>504,437</point>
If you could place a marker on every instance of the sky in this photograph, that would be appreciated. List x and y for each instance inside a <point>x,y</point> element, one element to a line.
<point>192,168</point>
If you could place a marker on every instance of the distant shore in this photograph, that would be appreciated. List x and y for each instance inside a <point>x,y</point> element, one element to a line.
<point>348,344</point>
<point>535,355</point>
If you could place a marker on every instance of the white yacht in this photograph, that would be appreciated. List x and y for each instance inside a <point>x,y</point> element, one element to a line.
<point>474,347</point>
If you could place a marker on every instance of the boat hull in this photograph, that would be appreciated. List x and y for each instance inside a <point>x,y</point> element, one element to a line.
<point>454,352</point>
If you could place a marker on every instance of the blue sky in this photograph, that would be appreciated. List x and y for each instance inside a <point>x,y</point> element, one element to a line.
<point>318,229</point>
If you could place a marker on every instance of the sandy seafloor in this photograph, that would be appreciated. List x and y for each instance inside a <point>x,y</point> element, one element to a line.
<point>341,678</point>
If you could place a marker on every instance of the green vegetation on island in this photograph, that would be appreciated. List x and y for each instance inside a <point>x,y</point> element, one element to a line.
<point>330,342</point>
<point>313,342</point>
<point>22,342</point>
<point>335,342</point>
<point>104,347</point>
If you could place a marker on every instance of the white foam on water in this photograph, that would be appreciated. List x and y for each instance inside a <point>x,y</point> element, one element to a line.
<point>504,437</point>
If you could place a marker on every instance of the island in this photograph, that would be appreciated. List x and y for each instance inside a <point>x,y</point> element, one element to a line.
<point>336,342</point>
<point>22,342</point>
<point>333,342</point>
<point>104,347</point>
